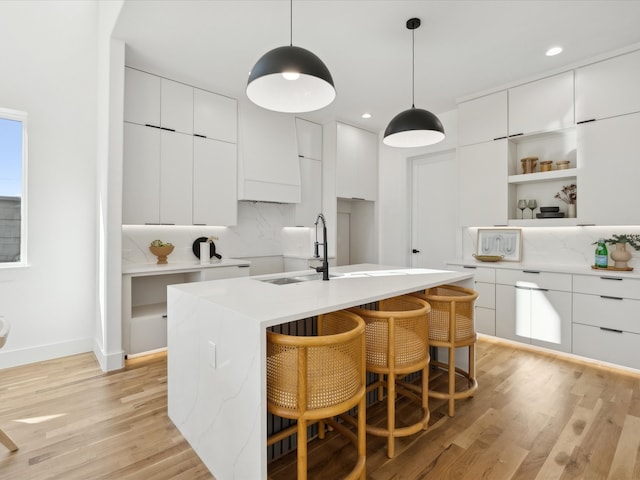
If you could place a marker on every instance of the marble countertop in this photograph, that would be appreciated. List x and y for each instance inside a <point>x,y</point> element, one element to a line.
<point>555,268</point>
<point>271,304</point>
<point>154,268</point>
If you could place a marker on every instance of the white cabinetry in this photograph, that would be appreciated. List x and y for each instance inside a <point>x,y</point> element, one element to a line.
<point>269,169</point>
<point>144,303</point>
<point>309,140</point>
<point>606,310</point>
<point>176,106</point>
<point>608,88</point>
<point>141,98</point>
<point>542,106</point>
<point>483,183</point>
<point>356,163</point>
<point>309,136</point>
<point>214,182</point>
<point>485,305</point>
<point>483,119</point>
<point>608,172</point>
<point>171,175</point>
<point>141,175</point>
<point>215,116</point>
<point>534,307</point>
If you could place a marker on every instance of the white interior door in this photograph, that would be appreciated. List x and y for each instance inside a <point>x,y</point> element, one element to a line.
<point>434,210</point>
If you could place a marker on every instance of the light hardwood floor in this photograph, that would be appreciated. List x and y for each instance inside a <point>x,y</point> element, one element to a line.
<point>535,416</point>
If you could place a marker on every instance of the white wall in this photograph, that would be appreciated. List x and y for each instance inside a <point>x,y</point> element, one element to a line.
<point>49,70</point>
<point>394,192</point>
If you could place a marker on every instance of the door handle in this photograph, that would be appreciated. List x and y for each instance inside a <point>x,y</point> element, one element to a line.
<point>415,250</point>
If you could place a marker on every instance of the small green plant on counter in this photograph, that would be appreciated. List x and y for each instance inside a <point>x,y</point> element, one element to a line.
<point>160,243</point>
<point>632,240</point>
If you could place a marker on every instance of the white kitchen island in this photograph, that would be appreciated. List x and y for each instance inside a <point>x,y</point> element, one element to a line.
<point>217,351</point>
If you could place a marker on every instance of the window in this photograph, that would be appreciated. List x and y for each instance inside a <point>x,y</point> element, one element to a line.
<point>13,167</point>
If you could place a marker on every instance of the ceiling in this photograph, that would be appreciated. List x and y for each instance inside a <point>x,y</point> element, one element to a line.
<point>462,47</point>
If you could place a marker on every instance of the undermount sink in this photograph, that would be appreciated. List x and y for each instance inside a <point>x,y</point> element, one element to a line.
<point>296,279</point>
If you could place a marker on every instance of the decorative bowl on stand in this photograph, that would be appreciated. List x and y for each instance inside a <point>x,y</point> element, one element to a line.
<point>162,253</point>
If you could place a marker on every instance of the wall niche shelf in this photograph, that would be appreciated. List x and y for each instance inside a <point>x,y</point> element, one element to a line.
<point>569,173</point>
<point>543,222</point>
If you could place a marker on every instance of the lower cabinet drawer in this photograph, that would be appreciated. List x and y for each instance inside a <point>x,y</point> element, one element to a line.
<point>609,312</point>
<point>485,320</point>
<point>147,333</point>
<point>615,347</point>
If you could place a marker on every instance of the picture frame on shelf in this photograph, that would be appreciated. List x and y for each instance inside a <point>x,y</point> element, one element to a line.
<point>505,242</point>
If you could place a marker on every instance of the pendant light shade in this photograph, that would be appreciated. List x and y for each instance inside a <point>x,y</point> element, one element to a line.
<point>290,79</point>
<point>415,127</point>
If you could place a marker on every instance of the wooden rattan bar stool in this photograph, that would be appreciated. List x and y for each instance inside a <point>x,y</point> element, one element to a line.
<point>451,326</point>
<point>316,378</point>
<point>397,345</point>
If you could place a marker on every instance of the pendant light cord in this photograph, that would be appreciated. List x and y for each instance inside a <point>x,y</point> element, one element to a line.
<point>413,68</point>
<point>291,23</point>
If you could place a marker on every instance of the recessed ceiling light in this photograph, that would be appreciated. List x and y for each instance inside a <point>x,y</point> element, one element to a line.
<point>554,51</point>
<point>366,115</point>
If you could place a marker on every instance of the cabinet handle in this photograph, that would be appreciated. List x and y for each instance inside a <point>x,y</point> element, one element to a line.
<point>243,266</point>
<point>357,198</point>
<point>199,224</point>
<point>501,225</point>
<point>611,278</point>
<point>152,126</point>
<point>530,271</point>
<point>468,266</point>
<point>610,330</point>
<point>585,224</point>
<point>611,298</point>
<point>168,129</point>
<point>415,250</point>
<point>300,156</point>
<point>516,135</point>
<point>198,135</point>
<point>164,316</point>
<point>500,138</point>
<point>585,121</point>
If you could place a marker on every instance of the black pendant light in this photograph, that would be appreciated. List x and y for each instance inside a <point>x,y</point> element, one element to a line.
<point>415,127</point>
<point>290,79</point>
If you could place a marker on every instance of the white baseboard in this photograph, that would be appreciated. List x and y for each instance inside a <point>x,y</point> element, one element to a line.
<point>25,356</point>
<point>108,362</point>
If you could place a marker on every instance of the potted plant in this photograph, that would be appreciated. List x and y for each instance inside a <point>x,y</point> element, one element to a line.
<point>569,195</point>
<point>161,250</point>
<point>621,255</point>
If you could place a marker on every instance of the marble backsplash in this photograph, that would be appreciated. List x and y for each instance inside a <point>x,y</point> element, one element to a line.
<point>558,245</point>
<point>263,229</point>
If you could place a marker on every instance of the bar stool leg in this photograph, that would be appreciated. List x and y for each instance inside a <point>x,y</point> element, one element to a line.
<point>452,380</point>
<point>391,413</point>
<point>7,442</point>
<point>425,397</point>
<point>302,449</point>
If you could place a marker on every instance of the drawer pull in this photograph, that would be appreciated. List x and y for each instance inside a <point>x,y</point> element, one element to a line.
<point>466,266</point>
<point>243,266</point>
<point>530,271</point>
<point>164,316</point>
<point>613,330</point>
<point>611,278</point>
<point>610,298</point>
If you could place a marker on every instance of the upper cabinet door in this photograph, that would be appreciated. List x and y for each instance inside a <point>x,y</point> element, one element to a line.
<point>309,136</point>
<point>482,119</point>
<point>215,116</point>
<point>176,178</point>
<point>609,172</point>
<point>141,98</point>
<point>542,106</point>
<point>483,184</point>
<point>356,163</point>
<point>268,159</point>
<point>176,106</point>
<point>608,88</point>
<point>214,182</point>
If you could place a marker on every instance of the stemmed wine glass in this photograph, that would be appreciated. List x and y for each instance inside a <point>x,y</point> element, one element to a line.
<point>522,205</point>
<point>532,204</point>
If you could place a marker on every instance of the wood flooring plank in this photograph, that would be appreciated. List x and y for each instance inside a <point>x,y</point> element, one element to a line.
<point>627,448</point>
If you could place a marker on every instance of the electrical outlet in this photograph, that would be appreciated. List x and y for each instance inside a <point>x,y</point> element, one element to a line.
<point>212,354</point>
